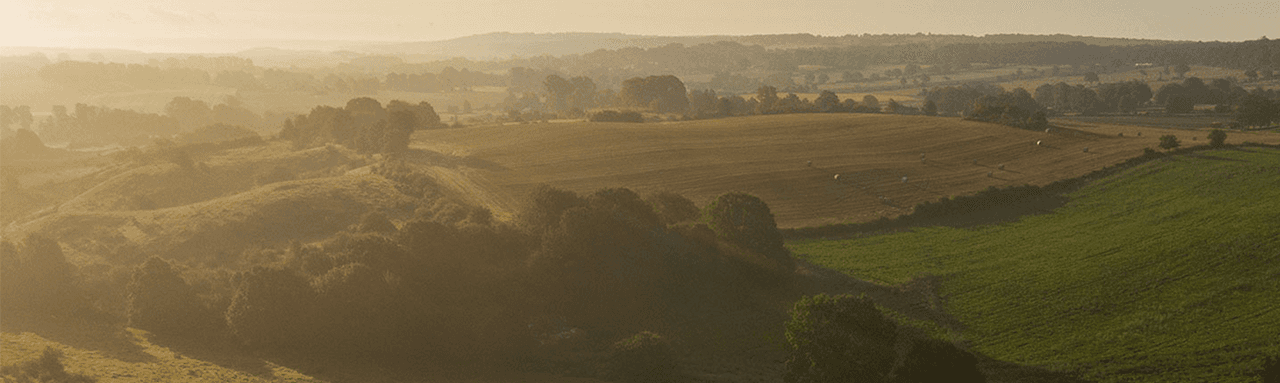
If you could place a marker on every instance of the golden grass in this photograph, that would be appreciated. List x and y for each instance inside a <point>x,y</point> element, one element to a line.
<point>766,156</point>
<point>115,355</point>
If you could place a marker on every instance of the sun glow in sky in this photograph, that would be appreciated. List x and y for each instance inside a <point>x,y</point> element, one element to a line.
<point>232,25</point>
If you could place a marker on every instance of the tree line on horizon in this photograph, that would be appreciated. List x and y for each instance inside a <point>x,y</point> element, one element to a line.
<point>368,74</point>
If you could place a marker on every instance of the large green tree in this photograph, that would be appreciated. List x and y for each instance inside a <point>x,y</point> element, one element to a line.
<point>160,301</point>
<point>662,94</point>
<point>1257,110</point>
<point>745,220</point>
<point>839,338</point>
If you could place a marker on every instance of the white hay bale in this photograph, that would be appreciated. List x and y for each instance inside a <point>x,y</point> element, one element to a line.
<point>837,177</point>
<point>1038,143</point>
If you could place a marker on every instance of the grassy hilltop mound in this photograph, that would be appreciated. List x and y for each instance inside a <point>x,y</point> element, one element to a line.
<point>1166,272</point>
<point>263,217</point>
<point>167,184</point>
<point>767,156</point>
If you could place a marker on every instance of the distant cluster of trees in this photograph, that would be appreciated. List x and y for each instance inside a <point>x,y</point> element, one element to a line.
<point>363,125</point>
<point>19,115</point>
<point>87,125</point>
<point>97,125</point>
<point>570,96</point>
<point>449,79</point>
<point>661,94</point>
<point>192,114</point>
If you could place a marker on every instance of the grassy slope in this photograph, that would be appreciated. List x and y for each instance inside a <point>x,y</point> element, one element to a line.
<point>766,156</point>
<point>265,216</point>
<point>126,355</point>
<point>1165,273</point>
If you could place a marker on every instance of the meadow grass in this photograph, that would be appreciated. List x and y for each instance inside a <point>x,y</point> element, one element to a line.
<point>1166,272</point>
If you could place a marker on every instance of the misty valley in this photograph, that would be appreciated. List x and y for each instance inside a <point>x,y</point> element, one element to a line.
<point>588,207</point>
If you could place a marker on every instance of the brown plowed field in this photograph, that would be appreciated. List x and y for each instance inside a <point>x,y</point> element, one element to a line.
<point>767,156</point>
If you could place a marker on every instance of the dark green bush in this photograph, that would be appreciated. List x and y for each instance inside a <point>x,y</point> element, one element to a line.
<point>356,305</point>
<point>1217,138</point>
<point>616,116</point>
<point>47,368</point>
<point>160,301</point>
<point>644,357</point>
<point>272,308</point>
<point>745,220</point>
<point>673,208</point>
<point>839,338</point>
<point>544,206</point>
<point>37,280</point>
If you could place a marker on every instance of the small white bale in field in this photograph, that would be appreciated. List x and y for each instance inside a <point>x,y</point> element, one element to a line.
<point>904,179</point>
<point>837,177</point>
<point>1046,130</point>
<point>1038,143</point>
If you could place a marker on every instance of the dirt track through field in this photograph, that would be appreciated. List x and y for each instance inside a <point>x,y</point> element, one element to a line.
<point>886,163</point>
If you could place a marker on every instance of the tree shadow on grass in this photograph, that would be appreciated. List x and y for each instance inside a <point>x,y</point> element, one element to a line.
<point>1215,158</point>
<point>105,337</point>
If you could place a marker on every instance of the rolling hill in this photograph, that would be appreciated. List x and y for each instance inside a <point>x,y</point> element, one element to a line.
<point>768,156</point>
<point>1165,272</point>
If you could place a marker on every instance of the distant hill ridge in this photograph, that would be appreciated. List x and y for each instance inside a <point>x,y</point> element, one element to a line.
<point>507,44</point>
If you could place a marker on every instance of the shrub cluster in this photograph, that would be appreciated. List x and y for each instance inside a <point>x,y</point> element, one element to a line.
<point>36,280</point>
<point>616,116</point>
<point>47,368</point>
<point>408,180</point>
<point>644,357</point>
<point>160,300</point>
<point>843,338</point>
<point>363,125</point>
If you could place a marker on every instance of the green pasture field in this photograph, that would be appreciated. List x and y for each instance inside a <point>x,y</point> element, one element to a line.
<point>1166,272</point>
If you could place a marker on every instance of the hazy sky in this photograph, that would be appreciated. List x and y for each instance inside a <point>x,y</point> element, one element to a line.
<point>228,25</point>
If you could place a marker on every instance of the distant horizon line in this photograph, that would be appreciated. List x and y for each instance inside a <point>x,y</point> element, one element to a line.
<point>156,45</point>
